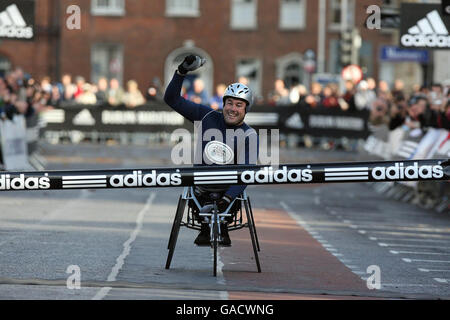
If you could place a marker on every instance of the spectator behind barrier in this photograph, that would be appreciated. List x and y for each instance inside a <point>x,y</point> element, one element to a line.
<point>280,94</point>
<point>87,95</point>
<point>364,96</point>
<point>115,93</point>
<point>216,101</point>
<point>198,94</point>
<point>379,112</point>
<point>330,97</point>
<point>154,92</point>
<point>133,97</point>
<point>102,91</point>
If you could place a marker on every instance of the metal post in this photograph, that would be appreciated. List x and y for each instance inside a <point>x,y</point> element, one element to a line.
<point>321,38</point>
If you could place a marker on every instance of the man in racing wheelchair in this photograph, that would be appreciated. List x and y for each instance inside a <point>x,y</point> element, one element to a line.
<point>234,141</point>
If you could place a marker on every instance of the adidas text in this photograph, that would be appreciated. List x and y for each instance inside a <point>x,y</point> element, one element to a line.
<point>431,41</point>
<point>399,171</point>
<point>22,183</point>
<point>16,32</point>
<point>137,179</point>
<point>268,175</point>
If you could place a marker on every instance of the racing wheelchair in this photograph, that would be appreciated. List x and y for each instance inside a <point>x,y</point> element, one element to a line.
<point>196,214</point>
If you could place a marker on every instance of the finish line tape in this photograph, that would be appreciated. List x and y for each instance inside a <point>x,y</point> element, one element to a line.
<point>378,171</point>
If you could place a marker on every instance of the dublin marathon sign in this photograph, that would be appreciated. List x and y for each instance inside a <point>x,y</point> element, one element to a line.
<point>379,171</point>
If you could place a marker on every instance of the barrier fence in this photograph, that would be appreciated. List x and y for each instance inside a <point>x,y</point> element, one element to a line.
<point>158,117</point>
<point>378,171</point>
<point>19,140</point>
<point>403,144</point>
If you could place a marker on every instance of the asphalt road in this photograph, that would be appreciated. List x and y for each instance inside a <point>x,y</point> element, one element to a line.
<point>317,241</point>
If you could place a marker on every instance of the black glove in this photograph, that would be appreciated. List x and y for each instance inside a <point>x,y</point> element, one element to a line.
<point>190,63</point>
<point>223,203</point>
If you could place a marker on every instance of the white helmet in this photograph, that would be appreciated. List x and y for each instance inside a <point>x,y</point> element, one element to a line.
<point>239,91</point>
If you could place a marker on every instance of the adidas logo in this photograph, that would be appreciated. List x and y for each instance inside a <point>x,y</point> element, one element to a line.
<point>295,122</point>
<point>12,24</point>
<point>84,118</point>
<point>428,32</point>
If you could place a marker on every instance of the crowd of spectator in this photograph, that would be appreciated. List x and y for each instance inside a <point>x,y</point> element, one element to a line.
<point>19,94</point>
<point>419,106</point>
<point>22,94</point>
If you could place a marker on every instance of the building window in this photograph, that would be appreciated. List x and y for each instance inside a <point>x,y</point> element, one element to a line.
<point>182,8</point>
<point>108,7</point>
<point>289,68</point>
<point>336,13</point>
<point>243,14</point>
<point>292,14</point>
<point>106,61</point>
<point>250,71</point>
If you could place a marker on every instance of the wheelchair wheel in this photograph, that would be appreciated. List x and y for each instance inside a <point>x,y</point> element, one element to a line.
<point>215,239</point>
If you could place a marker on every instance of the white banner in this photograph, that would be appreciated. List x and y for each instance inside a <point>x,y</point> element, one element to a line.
<point>14,144</point>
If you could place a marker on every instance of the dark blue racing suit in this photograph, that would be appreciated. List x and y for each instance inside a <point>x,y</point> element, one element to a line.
<point>245,150</point>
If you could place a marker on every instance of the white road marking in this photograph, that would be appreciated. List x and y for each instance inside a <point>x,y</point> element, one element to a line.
<point>394,227</point>
<point>415,252</point>
<point>424,260</point>
<point>432,270</point>
<point>403,239</point>
<point>126,249</point>
<point>415,234</point>
<point>442,280</point>
<point>407,285</point>
<point>382,244</point>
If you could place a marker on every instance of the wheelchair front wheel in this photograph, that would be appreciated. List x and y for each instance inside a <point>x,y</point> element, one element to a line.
<point>215,240</point>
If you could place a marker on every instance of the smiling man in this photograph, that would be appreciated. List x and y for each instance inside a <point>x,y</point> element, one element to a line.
<point>231,141</point>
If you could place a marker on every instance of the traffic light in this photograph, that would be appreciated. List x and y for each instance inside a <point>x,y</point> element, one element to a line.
<point>346,45</point>
<point>349,47</point>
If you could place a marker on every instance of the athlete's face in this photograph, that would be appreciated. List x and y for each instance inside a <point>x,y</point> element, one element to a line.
<point>234,111</point>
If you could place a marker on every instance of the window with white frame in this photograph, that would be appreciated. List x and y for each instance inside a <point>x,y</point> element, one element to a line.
<point>182,8</point>
<point>108,7</point>
<point>292,14</point>
<point>336,13</point>
<point>290,69</point>
<point>250,69</point>
<point>243,14</point>
<point>106,61</point>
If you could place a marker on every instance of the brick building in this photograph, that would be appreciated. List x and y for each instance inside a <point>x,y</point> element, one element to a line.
<point>144,40</point>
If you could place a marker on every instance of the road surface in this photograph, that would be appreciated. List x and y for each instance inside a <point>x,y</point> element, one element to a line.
<point>329,241</point>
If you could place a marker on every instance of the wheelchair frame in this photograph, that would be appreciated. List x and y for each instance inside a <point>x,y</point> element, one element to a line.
<point>214,218</point>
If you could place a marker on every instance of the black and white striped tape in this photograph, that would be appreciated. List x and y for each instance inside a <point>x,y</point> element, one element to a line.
<point>378,171</point>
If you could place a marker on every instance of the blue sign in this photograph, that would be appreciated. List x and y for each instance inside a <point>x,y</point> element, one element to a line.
<point>396,54</point>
